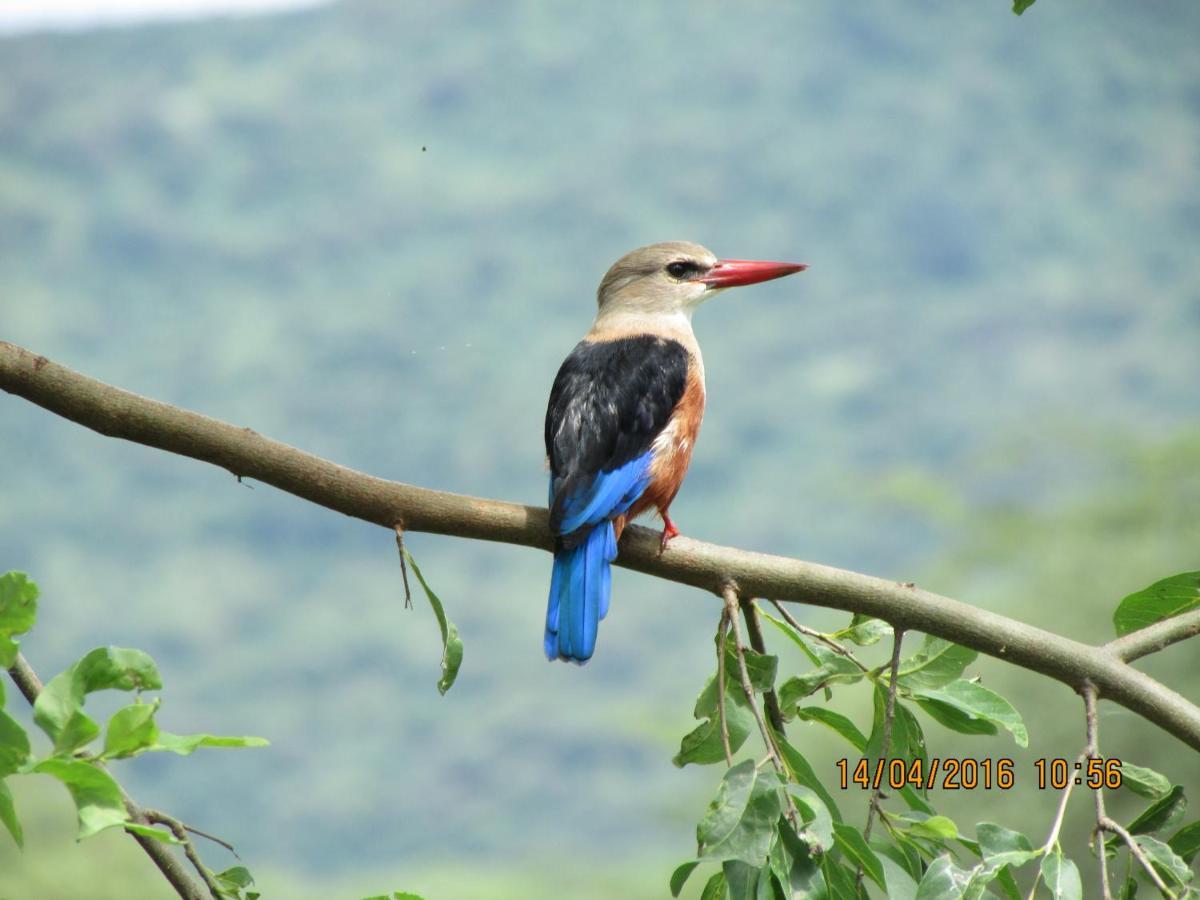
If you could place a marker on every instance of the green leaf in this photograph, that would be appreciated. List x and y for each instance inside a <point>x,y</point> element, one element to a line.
<point>936,663</point>
<point>8,815</point>
<point>766,885</point>
<point>680,876</point>
<point>839,879</point>
<point>59,707</point>
<point>979,879</point>
<point>14,745</point>
<point>1019,6</point>
<point>1008,884</point>
<point>900,884</point>
<point>801,772</point>
<point>150,831</point>
<point>1161,814</point>
<point>796,867</point>
<point>864,630</point>
<point>1144,782</point>
<point>938,829</point>
<point>818,823</point>
<point>907,740</point>
<point>184,744</point>
<point>714,888</point>
<point>1165,860</point>
<point>726,809</point>
<point>915,801</point>
<point>1061,876</point>
<point>97,798</point>
<point>943,880</point>
<point>741,880</point>
<point>1163,599</point>
<point>837,722</point>
<point>1186,841</point>
<point>740,822</point>
<point>850,841</point>
<point>452,646</point>
<point>760,668</point>
<point>1000,846</point>
<point>18,612</point>
<point>130,730</point>
<point>954,718</point>
<point>703,745</point>
<point>906,857</point>
<point>832,668</point>
<point>978,702</point>
<point>237,877</point>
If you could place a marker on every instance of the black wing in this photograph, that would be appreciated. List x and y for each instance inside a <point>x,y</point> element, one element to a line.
<point>609,402</point>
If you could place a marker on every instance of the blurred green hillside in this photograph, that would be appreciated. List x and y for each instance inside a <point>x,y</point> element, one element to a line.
<point>373,230</point>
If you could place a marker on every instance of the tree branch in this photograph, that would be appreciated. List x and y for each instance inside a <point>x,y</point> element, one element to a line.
<point>885,743</point>
<point>1155,637</point>
<point>732,604</point>
<point>1092,751</point>
<point>121,414</point>
<point>722,631</point>
<point>759,645</point>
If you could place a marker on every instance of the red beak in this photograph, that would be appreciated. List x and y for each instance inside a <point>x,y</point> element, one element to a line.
<point>735,272</point>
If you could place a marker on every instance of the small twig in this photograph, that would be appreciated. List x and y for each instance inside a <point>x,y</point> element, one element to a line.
<point>722,632</point>
<point>1092,751</point>
<point>1056,825</point>
<point>1103,821</point>
<point>1155,637</point>
<point>1107,824</point>
<point>754,631</point>
<point>839,649</point>
<point>885,745</point>
<point>180,831</point>
<point>196,831</point>
<point>731,606</point>
<point>172,869</point>
<point>399,529</point>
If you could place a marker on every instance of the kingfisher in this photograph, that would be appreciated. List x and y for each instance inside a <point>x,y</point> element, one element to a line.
<point>622,421</point>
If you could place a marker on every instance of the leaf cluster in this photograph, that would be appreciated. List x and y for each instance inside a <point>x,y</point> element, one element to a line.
<point>79,748</point>
<point>775,836</point>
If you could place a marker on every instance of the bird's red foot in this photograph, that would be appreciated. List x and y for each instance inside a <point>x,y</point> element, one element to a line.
<point>669,531</point>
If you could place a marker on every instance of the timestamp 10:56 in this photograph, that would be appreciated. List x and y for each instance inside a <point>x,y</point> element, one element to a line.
<point>1096,773</point>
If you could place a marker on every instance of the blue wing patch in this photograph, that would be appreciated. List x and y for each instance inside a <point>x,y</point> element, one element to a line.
<point>607,496</point>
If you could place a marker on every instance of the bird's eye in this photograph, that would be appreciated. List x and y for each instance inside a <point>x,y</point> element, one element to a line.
<point>681,269</point>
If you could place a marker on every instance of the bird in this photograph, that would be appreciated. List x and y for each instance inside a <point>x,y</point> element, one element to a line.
<point>622,420</point>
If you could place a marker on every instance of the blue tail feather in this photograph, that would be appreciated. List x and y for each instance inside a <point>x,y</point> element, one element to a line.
<point>580,588</point>
<point>581,585</point>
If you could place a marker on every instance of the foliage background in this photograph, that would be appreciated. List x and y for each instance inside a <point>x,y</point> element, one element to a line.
<point>373,230</point>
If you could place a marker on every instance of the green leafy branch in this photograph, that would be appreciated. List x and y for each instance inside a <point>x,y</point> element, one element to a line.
<point>74,760</point>
<point>777,831</point>
<point>774,828</point>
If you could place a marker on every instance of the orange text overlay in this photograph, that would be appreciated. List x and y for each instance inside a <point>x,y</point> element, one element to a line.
<point>968,774</point>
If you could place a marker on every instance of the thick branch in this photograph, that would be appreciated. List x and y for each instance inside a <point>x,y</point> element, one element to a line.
<point>118,413</point>
<point>173,870</point>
